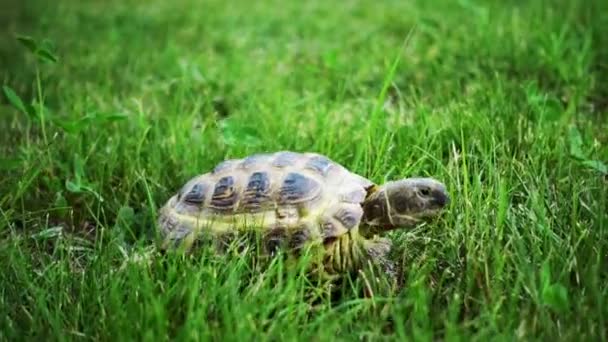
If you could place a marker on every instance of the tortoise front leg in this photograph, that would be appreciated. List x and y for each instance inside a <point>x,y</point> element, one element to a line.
<point>384,271</point>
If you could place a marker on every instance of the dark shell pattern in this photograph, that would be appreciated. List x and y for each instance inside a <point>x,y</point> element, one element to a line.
<point>289,183</point>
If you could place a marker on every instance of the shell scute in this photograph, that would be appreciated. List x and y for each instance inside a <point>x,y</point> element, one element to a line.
<point>356,195</point>
<point>297,188</point>
<point>224,195</point>
<point>349,217</point>
<point>255,159</point>
<point>257,192</point>
<point>196,194</point>
<point>285,159</point>
<point>225,166</point>
<point>319,164</point>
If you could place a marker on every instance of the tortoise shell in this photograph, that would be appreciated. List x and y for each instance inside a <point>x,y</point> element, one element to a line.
<point>290,197</point>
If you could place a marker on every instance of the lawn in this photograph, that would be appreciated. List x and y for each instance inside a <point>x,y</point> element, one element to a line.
<point>108,107</point>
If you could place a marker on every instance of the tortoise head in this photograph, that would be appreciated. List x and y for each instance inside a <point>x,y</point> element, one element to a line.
<point>404,203</point>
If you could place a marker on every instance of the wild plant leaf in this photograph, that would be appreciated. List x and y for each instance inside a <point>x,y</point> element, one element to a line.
<point>46,55</point>
<point>78,168</point>
<point>60,205</point>
<point>49,233</point>
<point>43,53</point>
<point>78,125</point>
<point>545,275</point>
<point>544,104</point>
<point>576,143</point>
<point>556,297</point>
<point>72,125</point>
<point>73,186</point>
<point>576,151</point>
<point>79,243</point>
<point>78,188</point>
<point>596,165</point>
<point>125,216</point>
<point>92,191</point>
<point>69,126</point>
<point>14,99</point>
<point>28,42</point>
<point>60,201</point>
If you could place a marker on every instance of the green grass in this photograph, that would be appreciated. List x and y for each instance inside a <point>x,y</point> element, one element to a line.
<point>505,101</point>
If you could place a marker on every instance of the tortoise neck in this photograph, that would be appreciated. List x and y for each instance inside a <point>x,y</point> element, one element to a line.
<point>376,217</point>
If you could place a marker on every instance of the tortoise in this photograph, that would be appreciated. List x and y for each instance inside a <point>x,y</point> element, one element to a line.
<point>300,199</point>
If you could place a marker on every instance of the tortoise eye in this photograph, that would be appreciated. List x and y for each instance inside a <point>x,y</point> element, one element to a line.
<point>425,191</point>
